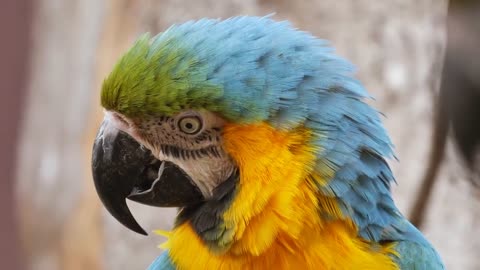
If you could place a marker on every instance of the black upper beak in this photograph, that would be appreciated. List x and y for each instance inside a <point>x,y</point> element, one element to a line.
<point>122,169</point>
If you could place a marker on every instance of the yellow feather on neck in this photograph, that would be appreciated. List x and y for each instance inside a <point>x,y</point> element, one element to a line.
<point>274,218</point>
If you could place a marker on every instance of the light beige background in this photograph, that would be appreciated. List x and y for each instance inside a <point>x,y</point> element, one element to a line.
<point>397,46</point>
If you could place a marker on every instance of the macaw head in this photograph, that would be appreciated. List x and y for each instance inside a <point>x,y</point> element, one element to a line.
<point>210,112</point>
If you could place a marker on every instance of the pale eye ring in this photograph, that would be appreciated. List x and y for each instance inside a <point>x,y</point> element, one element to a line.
<point>190,124</point>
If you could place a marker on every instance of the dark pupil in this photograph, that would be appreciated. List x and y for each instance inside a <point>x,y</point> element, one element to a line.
<point>189,125</point>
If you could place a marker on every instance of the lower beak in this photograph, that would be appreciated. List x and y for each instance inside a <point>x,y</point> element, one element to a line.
<point>122,169</point>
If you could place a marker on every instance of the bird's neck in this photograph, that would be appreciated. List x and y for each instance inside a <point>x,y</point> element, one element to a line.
<point>268,216</point>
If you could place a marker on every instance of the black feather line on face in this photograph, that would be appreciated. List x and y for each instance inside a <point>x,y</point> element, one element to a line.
<point>207,135</point>
<point>180,153</point>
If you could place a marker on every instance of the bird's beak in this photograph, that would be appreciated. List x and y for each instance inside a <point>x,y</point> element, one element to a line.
<point>122,169</point>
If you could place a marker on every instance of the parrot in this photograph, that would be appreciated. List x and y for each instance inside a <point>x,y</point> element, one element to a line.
<point>261,136</point>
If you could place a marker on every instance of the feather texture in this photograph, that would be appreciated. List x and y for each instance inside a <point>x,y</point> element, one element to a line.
<point>252,70</point>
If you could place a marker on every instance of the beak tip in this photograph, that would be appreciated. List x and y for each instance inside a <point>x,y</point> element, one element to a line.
<point>141,231</point>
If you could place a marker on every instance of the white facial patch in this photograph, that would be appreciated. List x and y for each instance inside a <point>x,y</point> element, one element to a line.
<point>192,140</point>
<point>207,172</point>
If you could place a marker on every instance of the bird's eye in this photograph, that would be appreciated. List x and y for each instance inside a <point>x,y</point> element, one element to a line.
<point>190,124</point>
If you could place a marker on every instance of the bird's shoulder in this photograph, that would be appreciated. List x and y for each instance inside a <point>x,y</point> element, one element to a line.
<point>419,256</point>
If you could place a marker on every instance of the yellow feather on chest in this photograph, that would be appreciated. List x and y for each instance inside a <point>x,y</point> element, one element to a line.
<point>274,221</point>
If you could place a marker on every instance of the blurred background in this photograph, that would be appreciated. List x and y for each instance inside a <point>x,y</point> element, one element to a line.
<point>55,54</point>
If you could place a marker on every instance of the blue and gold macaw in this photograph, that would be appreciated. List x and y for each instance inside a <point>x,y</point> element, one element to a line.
<point>260,135</point>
